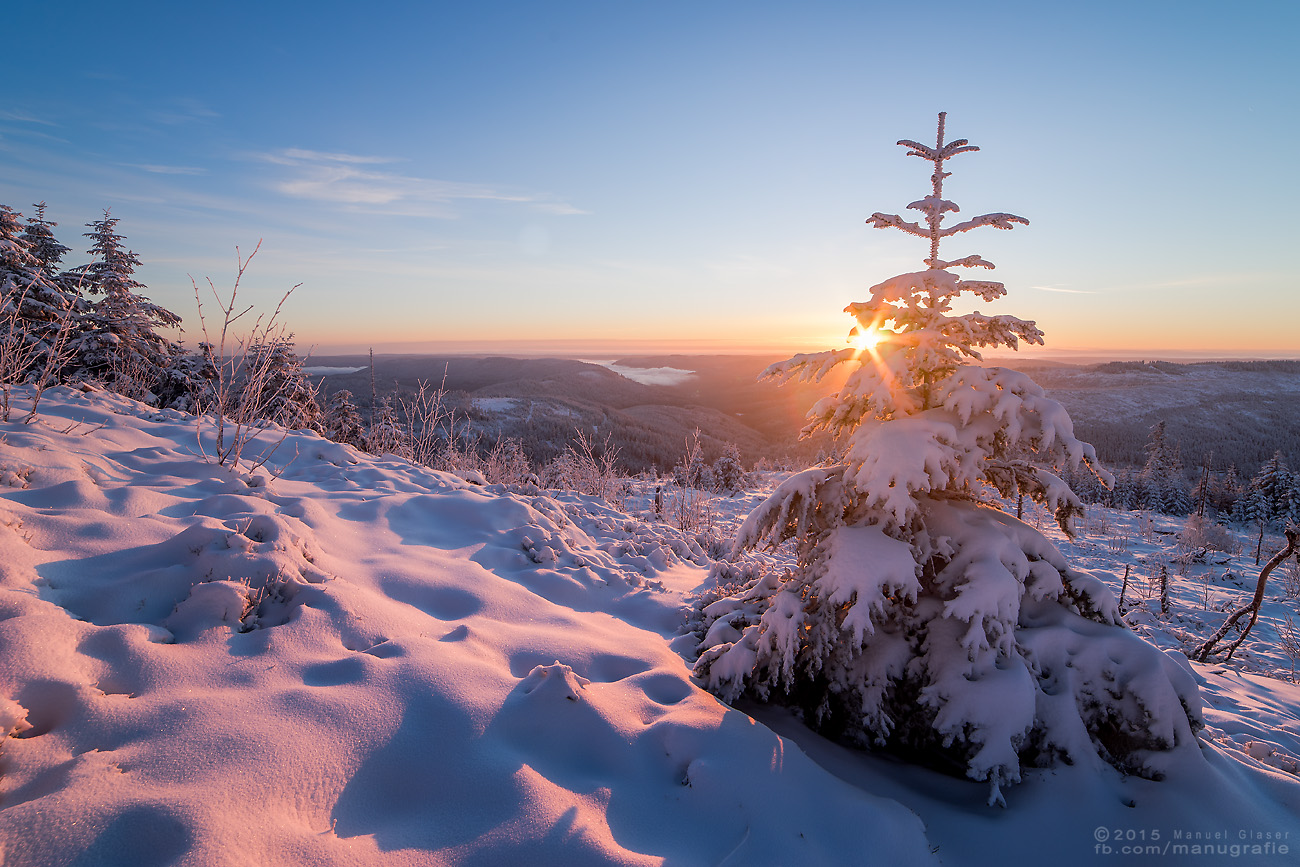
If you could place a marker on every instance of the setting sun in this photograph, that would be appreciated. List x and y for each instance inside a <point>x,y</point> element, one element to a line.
<point>865,339</point>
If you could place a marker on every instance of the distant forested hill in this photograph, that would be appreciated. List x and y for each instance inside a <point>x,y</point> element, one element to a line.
<point>1240,412</point>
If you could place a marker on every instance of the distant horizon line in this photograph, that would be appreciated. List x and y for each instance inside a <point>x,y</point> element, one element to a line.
<point>588,349</point>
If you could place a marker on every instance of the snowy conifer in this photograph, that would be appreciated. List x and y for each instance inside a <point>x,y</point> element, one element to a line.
<point>1270,491</point>
<point>729,474</point>
<point>922,618</point>
<point>38,236</point>
<point>1162,485</point>
<point>34,307</point>
<point>342,422</point>
<point>387,434</point>
<point>1225,490</point>
<point>119,343</point>
<point>188,382</point>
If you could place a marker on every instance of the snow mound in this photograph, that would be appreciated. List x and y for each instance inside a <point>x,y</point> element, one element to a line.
<point>347,659</point>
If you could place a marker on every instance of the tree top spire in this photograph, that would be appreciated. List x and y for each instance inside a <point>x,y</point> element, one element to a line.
<point>934,206</point>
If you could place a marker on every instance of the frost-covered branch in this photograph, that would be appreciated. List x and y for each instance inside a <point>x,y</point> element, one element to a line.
<point>894,221</point>
<point>997,221</point>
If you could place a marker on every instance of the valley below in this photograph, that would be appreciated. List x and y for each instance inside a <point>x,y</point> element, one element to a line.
<point>1234,412</point>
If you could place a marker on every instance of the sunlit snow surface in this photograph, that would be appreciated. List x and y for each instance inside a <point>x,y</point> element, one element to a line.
<point>433,673</point>
<point>341,659</point>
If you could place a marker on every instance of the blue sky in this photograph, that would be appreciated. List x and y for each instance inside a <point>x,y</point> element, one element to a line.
<point>517,177</point>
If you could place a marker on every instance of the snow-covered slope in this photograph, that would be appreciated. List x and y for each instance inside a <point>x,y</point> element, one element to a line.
<point>362,661</point>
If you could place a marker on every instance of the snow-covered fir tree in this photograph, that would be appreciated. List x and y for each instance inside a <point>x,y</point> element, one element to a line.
<point>387,435</point>
<point>342,422</point>
<point>38,313</point>
<point>188,382</point>
<point>729,474</point>
<point>921,617</point>
<point>38,236</point>
<point>1225,490</point>
<point>1252,507</point>
<point>1271,494</point>
<point>1162,484</point>
<point>118,342</point>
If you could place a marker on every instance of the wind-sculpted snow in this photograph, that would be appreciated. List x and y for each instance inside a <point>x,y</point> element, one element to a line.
<point>345,659</point>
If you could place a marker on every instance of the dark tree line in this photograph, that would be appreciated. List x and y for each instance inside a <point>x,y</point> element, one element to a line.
<point>1268,499</point>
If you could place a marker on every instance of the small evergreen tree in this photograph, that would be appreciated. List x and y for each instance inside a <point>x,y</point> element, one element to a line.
<point>342,420</point>
<point>1267,499</point>
<point>189,382</point>
<point>38,237</point>
<point>119,343</point>
<point>1274,483</point>
<point>921,617</point>
<point>729,474</point>
<point>1162,484</point>
<point>386,435</point>
<point>1225,490</point>
<point>37,312</point>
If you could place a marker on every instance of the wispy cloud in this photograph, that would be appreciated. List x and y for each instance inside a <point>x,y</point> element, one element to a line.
<point>24,117</point>
<point>167,170</point>
<point>1063,289</point>
<point>181,111</point>
<point>295,156</point>
<point>355,180</point>
<point>1199,280</point>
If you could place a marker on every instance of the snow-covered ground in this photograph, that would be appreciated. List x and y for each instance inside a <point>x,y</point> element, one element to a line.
<point>343,659</point>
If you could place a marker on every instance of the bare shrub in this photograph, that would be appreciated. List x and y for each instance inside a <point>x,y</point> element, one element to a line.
<point>240,394</point>
<point>1251,609</point>
<point>24,359</point>
<point>131,376</point>
<point>506,464</point>
<point>692,508</point>
<point>589,467</point>
<point>1200,533</point>
<point>1290,580</point>
<point>425,415</point>
<point>1146,528</point>
<point>1288,635</point>
<point>1096,522</point>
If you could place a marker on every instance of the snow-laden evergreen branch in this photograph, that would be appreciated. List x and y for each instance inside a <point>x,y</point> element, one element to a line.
<point>997,221</point>
<point>964,262</point>
<point>883,221</point>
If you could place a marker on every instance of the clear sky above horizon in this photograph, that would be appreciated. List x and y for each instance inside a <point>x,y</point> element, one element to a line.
<point>617,177</point>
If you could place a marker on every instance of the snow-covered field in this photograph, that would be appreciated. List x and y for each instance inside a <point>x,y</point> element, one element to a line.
<point>342,659</point>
